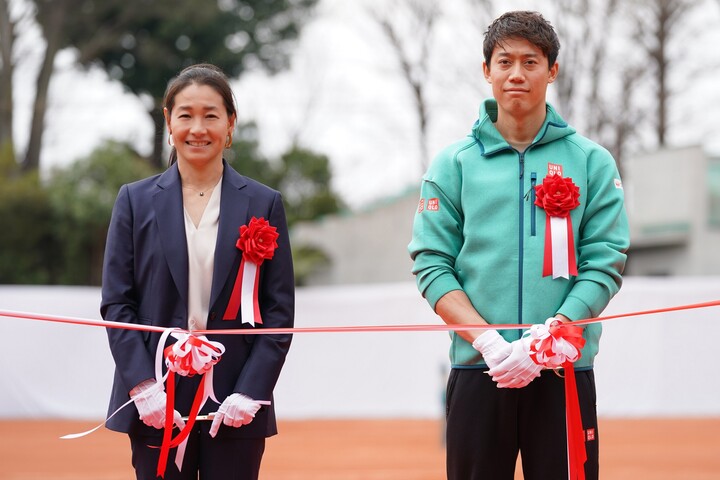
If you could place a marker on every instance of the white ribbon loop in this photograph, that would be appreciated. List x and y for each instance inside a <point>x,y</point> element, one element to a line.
<point>560,247</point>
<point>560,350</point>
<point>248,294</point>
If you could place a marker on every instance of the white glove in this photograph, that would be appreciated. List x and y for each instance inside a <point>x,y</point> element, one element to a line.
<point>518,369</point>
<point>237,410</point>
<point>493,347</point>
<point>150,400</point>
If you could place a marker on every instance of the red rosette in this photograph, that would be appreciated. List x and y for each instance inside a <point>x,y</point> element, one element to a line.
<point>557,195</point>
<point>258,242</point>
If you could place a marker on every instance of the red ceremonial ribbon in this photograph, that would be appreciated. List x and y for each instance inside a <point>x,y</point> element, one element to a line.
<point>168,442</point>
<point>257,241</point>
<point>442,327</point>
<point>544,351</point>
<point>575,436</point>
<point>558,344</point>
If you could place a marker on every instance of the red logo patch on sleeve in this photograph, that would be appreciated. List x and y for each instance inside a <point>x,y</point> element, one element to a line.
<point>433,204</point>
<point>589,434</point>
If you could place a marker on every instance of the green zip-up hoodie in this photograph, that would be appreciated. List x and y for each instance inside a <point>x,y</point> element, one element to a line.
<point>477,230</point>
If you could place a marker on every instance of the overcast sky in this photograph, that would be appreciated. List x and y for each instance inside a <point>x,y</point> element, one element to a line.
<point>342,97</point>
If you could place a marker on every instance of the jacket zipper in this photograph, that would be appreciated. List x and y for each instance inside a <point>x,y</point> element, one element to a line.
<point>521,219</point>
<point>533,182</point>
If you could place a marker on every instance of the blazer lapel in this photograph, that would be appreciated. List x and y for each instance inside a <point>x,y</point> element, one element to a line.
<point>234,207</point>
<point>170,219</point>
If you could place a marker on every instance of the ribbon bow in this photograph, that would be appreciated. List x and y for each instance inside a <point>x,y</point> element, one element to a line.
<point>190,355</point>
<point>555,344</point>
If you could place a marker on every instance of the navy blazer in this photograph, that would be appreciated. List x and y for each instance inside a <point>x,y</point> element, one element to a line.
<point>145,281</point>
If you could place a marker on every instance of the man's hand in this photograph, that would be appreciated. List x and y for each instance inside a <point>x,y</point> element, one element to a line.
<point>493,347</point>
<point>518,369</point>
<point>150,400</point>
<point>237,410</point>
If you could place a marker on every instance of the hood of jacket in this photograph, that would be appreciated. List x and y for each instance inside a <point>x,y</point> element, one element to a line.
<point>491,141</point>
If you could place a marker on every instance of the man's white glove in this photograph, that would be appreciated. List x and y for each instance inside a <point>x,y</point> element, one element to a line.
<point>518,369</point>
<point>493,347</point>
<point>237,410</point>
<point>150,400</point>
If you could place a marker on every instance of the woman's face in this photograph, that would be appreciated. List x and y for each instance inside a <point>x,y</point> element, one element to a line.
<point>199,125</point>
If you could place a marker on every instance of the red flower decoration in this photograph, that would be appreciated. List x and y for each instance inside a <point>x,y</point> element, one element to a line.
<point>557,195</point>
<point>258,240</point>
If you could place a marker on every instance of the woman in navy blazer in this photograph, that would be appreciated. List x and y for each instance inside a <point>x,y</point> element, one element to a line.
<point>171,261</point>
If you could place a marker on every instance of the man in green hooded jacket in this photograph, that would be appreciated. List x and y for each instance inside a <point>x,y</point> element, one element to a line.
<point>521,221</point>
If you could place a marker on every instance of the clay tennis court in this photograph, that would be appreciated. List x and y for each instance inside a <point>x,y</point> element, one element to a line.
<point>647,449</point>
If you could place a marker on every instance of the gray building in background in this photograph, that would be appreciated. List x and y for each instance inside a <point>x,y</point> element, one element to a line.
<point>367,246</point>
<point>673,204</point>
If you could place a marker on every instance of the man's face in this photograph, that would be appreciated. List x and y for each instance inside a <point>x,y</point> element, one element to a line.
<point>519,75</point>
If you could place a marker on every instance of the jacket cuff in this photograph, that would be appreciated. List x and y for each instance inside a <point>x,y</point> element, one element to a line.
<point>439,287</point>
<point>575,309</point>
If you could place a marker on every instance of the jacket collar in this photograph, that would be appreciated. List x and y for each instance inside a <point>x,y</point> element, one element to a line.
<point>490,140</point>
<point>234,207</point>
<point>168,204</point>
<point>234,212</point>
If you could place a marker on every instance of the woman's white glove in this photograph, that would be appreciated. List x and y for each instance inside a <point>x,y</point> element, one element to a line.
<point>493,347</point>
<point>237,410</point>
<point>518,369</point>
<point>150,400</point>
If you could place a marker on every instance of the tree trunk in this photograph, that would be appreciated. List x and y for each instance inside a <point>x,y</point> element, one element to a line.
<point>52,28</point>
<point>7,37</point>
<point>157,159</point>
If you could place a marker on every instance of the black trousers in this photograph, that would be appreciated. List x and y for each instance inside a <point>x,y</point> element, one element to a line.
<point>220,458</point>
<point>487,427</point>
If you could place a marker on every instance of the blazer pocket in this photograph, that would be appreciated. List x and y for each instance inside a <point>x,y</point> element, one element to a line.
<point>147,322</point>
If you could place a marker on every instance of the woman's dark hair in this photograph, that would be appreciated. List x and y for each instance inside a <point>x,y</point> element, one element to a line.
<point>199,74</point>
<point>530,26</point>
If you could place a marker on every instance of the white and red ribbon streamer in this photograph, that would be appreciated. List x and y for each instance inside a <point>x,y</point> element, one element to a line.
<point>189,355</point>
<point>555,344</point>
<point>559,260</point>
<point>245,294</point>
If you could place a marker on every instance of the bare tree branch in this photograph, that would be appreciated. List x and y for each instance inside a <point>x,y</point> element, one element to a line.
<point>657,21</point>
<point>414,67</point>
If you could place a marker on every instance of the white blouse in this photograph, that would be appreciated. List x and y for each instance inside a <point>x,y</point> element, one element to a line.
<point>201,242</point>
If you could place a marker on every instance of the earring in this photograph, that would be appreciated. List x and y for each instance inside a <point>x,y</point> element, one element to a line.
<point>228,141</point>
<point>171,142</point>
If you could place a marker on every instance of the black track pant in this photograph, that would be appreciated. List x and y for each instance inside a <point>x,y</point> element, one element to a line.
<point>487,427</point>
